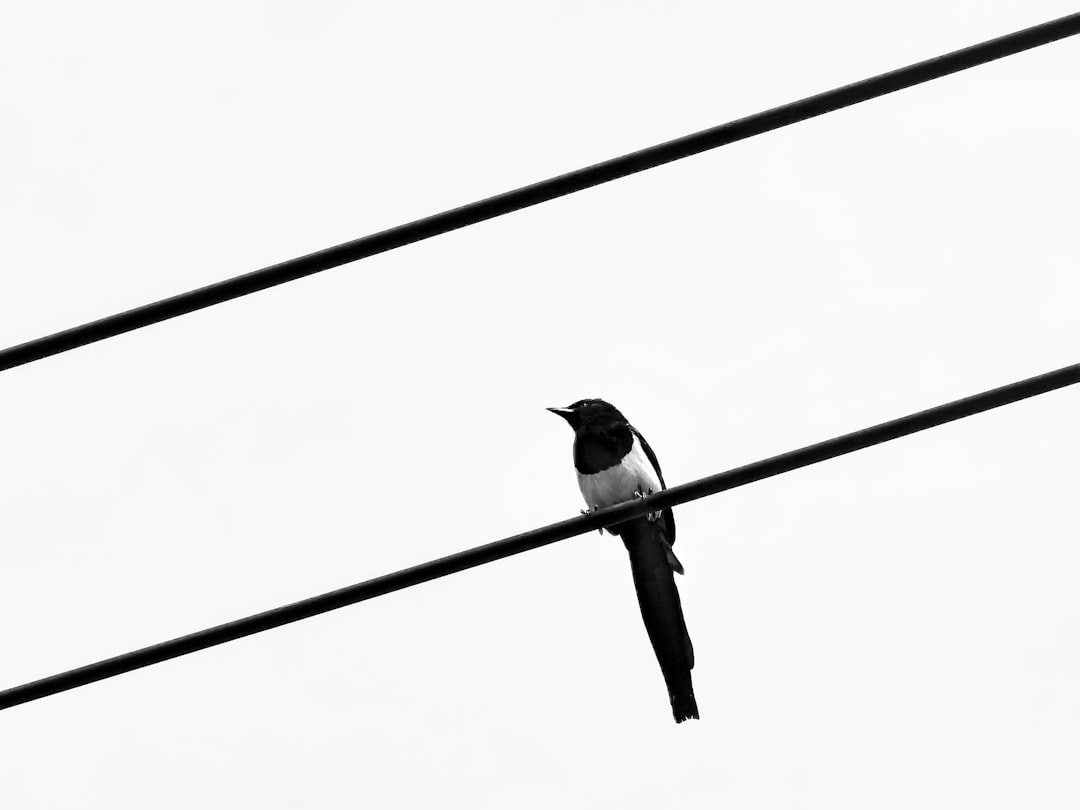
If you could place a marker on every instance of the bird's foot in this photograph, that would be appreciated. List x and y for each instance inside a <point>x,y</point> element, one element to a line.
<point>589,512</point>
<point>652,517</point>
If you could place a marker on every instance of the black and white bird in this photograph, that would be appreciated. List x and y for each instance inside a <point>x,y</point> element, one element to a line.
<point>614,464</point>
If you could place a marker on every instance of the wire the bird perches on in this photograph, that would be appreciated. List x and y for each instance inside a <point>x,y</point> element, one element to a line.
<point>740,476</point>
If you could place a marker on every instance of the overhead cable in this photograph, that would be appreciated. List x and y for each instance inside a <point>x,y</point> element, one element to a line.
<point>536,193</point>
<point>740,476</point>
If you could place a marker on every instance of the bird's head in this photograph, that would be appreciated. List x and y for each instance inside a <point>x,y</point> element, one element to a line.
<point>589,411</point>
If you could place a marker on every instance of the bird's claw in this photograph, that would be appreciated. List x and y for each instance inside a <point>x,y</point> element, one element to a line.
<point>652,517</point>
<point>589,512</point>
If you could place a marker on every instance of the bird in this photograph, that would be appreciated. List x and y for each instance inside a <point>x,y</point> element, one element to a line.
<point>614,463</point>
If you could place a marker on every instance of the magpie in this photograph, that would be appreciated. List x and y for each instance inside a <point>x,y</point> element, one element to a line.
<point>614,463</point>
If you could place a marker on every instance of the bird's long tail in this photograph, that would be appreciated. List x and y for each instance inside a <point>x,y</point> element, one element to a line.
<point>651,564</point>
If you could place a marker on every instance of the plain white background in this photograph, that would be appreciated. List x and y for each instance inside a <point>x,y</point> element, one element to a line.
<point>895,628</point>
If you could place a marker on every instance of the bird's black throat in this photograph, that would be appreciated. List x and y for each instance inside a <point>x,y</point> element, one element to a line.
<point>600,445</point>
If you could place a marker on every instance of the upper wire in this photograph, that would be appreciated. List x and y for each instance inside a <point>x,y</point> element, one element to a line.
<point>542,191</point>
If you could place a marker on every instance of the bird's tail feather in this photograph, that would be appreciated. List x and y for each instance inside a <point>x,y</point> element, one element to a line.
<point>662,611</point>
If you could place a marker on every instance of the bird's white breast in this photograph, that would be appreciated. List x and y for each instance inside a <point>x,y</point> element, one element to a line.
<point>618,483</point>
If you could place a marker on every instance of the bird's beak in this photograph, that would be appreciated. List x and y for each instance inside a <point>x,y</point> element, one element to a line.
<point>565,413</point>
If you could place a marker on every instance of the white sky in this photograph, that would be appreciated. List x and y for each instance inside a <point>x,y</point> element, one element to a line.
<point>896,628</point>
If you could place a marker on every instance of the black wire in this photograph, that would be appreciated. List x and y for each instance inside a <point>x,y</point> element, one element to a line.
<point>480,555</point>
<point>539,192</point>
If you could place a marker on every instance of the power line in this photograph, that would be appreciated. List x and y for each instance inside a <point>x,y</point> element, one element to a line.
<point>267,620</point>
<point>536,193</point>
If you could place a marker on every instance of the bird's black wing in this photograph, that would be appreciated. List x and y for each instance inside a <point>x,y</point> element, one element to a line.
<point>666,515</point>
<point>651,455</point>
